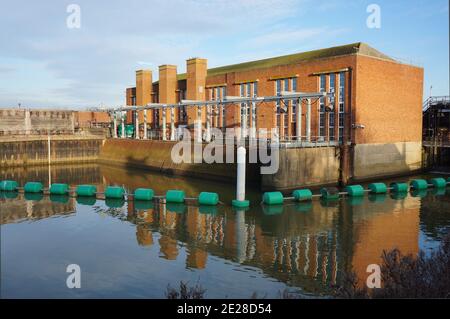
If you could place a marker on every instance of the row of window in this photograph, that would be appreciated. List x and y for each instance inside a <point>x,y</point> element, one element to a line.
<point>332,78</point>
<point>284,118</point>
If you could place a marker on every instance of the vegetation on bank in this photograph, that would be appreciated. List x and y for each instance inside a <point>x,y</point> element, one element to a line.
<point>406,276</point>
<point>402,276</point>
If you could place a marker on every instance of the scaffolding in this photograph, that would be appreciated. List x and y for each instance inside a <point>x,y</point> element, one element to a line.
<point>203,129</point>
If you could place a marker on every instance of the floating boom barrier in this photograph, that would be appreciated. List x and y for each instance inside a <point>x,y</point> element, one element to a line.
<point>115,196</point>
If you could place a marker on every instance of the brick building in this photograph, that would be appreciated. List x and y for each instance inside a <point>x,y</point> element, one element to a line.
<point>377,105</point>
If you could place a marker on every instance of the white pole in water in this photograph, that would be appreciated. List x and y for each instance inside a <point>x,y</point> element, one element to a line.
<point>164,137</point>
<point>172,124</point>
<point>122,133</point>
<point>115,125</point>
<point>308,120</point>
<point>240,180</point>
<point>145,124</point>
<point>136,125</point>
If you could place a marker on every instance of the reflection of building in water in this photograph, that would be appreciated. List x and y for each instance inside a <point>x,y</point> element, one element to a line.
<point>144,235</point>
<point>308,249</point>
<point>20,209</point>
<point>68,174</point>
<point>378,232</point>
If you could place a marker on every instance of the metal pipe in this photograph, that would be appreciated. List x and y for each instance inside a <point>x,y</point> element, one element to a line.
<point>199,124</point>
<point>172,124</point>
<point>164,137</point>
<point>299,121</point>
<point>208,123</point>
<point>122,133</point>
<point>308,120</point>
<point>136,125</point>
<point>145,124</point>
<point>230,100</point>
<point>114,125</point>
<point>253,126</point>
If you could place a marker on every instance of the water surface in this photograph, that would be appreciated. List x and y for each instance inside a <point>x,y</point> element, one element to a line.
<point>136,250</point>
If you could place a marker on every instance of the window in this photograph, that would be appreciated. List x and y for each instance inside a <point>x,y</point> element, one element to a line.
<point>331,114</point>
<point>278,91</point>
<point>182,113</point>
<point>294,103</point>
<point>156,117</point>
<point>322,106</point>
<point>341,110</point>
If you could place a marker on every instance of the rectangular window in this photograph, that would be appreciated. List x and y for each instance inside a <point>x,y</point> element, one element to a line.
<point>322,106</point>
<point>294,102</point>
<point>278,91</point>
<point>331,114</point>
<point>341,105</point>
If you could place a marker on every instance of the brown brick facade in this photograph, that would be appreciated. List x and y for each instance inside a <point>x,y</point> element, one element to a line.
<point>382,94</point>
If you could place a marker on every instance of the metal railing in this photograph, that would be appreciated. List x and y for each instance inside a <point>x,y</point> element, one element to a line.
<point>433,100</point>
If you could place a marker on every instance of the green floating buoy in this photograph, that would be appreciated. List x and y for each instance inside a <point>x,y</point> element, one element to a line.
<point>175,196</point>
<point>419,184</point>
<point>33,187</point>
<point>302,195</point>
<point>378,188</point>
<point>205,198</point>
<point>273,198</point>
<point>355,190</point>
<point>116,192</point>
<point>240,204</point>
<point>8,186</point>
<point>438,182</point>
<point>143,194</point>
<point>399,187</point>
<point>329,193</point>
<point>59,189</point>
<point>86,190</point>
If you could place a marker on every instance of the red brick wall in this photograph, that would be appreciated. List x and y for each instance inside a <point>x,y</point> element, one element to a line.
<point>388,101</point>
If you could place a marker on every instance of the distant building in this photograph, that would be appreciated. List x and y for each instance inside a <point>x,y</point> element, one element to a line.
<point>88,119</point>
<point>436,119</point>
<point>36,122</point>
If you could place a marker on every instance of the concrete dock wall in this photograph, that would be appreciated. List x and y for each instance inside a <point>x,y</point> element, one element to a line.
<point>386,159</point>
<point>304,167</point>
<point>156,155</point>
<point>34,151</point>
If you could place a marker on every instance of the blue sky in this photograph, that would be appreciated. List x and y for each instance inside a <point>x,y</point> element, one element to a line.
<point>45,64</point>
